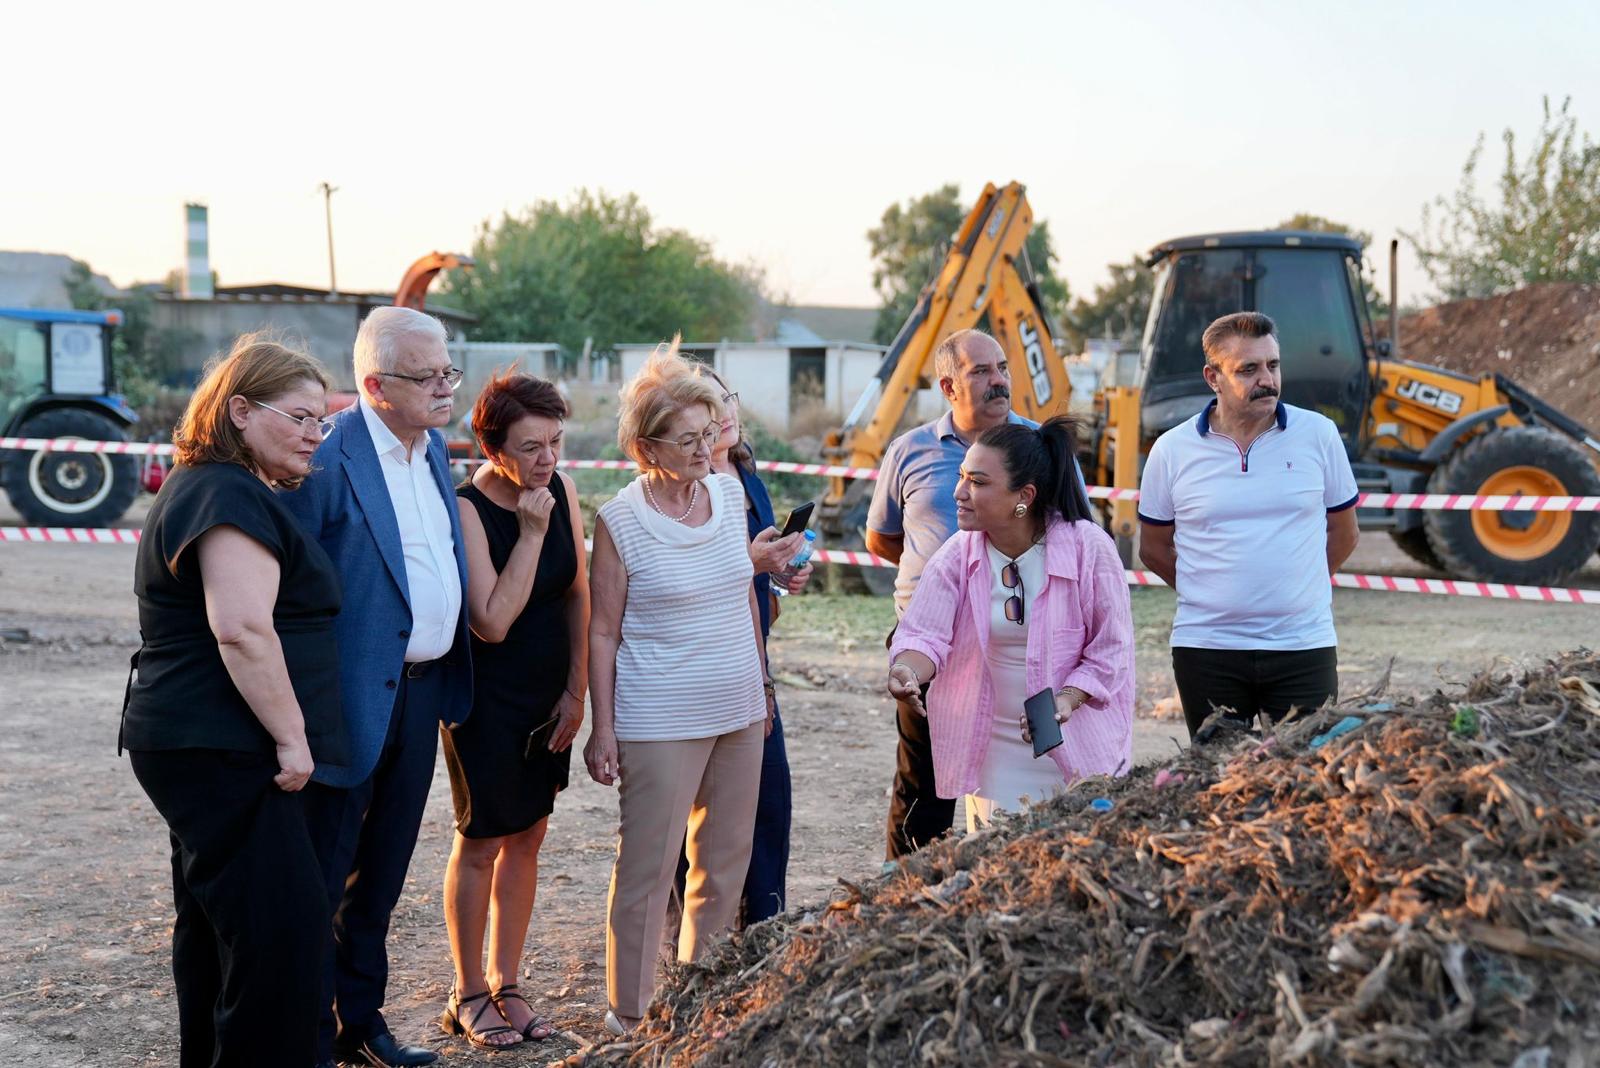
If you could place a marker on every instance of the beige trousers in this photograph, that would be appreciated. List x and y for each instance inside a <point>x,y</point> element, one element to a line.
<point>710,786</point>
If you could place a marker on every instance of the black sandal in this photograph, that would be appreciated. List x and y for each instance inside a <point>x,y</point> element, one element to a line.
<point>450,1023</point>
<point>536,1030</point>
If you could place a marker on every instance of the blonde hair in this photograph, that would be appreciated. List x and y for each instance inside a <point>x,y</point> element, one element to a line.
<point>666,385</point>
<point>257,368</point>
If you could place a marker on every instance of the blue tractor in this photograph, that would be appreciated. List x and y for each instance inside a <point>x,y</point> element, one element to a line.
<point>56,382</point>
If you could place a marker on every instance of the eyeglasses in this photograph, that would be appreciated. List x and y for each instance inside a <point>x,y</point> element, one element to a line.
<point>731,398</point>
<point>451,376</point>
<point>689,445</point>
<point>1011,579</point>
<point>322,427</point>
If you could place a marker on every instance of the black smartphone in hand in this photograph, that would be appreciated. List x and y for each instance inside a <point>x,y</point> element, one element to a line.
<point>798,519</point>
<point>1041,712</point>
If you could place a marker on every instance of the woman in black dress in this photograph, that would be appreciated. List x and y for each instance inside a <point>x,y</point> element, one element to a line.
<point>528,603</point>
<point>236,694</point>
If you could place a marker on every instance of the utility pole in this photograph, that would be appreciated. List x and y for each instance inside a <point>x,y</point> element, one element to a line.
<point>327,192</point>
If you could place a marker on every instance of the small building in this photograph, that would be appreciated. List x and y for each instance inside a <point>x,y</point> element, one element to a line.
<point>778,382</point>
<point>192,330</point>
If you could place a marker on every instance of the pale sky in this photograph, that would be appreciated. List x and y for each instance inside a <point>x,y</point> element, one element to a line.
<point>777,132</point>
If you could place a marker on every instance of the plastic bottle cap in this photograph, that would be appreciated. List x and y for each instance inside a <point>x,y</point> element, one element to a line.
<point>1102,804</point>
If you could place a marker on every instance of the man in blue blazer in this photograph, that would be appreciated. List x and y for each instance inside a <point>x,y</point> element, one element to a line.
<point>379,501</point>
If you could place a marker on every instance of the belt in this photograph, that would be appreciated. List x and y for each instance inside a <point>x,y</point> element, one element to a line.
<point>419,668</point>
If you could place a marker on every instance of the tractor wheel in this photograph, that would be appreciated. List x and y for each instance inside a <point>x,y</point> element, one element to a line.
<point>1414,543</point>
<point>878,581</point>
<point>71,489</point>
<point>1527,548</point>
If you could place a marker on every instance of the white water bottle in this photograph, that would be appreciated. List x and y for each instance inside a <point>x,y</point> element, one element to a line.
<point>807,547</point>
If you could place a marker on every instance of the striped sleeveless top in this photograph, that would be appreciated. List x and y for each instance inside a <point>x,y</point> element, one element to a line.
<point>687,665</point>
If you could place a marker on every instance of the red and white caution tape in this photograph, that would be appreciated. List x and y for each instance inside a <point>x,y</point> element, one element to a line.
<point>125,448</point>
<point>1388,583</point>
<point>79,535</point>
<point>1451,502</point>
<point>1443,587</point>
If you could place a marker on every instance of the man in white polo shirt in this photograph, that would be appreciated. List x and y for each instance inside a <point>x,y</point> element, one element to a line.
<point>1246,510</point>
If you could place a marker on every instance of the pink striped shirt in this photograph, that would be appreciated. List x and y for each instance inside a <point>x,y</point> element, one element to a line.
<point>1080,634</point>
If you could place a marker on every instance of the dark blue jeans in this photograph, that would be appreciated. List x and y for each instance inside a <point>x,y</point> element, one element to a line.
<point>364,837</point>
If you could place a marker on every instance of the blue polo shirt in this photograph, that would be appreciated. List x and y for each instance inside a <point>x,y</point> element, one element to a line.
<point>915,497</point>
<point>1251,529</point>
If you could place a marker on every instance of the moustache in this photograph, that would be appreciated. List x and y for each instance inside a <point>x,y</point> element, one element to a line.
<point>1258,394</point>
<point>439,406</point>
<point>996,393</point>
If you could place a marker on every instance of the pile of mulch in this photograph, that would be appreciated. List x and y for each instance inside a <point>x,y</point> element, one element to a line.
<point>1545,337</point>
<point>1405,881</point>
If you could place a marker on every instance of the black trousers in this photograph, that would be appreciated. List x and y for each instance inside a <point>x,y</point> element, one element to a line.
<point>251,926</point>
<point>364,836</point>
<point>1251,681</point>
<point>917,814</point>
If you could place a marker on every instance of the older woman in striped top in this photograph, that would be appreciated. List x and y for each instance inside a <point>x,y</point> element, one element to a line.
<point>680,696</point>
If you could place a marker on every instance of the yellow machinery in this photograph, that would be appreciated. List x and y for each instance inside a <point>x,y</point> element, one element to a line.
<point>1407,427</point>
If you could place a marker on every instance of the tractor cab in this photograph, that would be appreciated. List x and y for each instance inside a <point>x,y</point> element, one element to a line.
<point>56,382</point>
<point>1309,283</point>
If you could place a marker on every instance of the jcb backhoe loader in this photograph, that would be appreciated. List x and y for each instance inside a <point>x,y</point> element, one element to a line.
<point>1408,428</point>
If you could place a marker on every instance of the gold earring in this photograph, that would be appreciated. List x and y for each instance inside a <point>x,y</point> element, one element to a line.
<point>1020,510</point>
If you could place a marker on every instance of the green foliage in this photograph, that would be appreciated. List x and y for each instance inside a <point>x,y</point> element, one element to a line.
<point>1543,227</point>
<point>909,245</point>
<point>598,268</point>
<point>1118,307</point>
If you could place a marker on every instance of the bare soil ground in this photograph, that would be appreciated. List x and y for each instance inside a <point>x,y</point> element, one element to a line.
<point>84,881</point>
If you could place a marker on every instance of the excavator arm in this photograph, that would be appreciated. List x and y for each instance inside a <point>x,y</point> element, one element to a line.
<point>985,274</point>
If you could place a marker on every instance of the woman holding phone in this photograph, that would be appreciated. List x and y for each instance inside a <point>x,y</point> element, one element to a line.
<point>1028,597</point>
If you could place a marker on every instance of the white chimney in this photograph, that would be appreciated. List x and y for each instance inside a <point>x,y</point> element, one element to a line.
<point>197,254</point>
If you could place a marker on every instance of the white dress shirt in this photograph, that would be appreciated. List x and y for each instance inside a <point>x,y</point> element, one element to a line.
<point>433,585</point>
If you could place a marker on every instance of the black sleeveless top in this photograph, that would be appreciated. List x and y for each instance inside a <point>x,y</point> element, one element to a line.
<point>182,696</point>
<point>503,778</point>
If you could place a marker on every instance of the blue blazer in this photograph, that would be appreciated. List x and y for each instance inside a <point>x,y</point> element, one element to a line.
<point>345,506</point>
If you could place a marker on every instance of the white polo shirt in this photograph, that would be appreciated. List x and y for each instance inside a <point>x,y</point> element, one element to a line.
<point>1251,529</point>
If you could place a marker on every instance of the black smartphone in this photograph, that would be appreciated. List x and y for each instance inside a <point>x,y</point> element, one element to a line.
<point>799,519</point>
<point>1041,712</point>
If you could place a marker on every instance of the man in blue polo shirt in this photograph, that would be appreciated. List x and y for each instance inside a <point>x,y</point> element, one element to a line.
<point>1246,510</point>
<point>913,513</point>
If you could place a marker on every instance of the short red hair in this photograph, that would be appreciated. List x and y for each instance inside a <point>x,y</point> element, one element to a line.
<point>507,398</point>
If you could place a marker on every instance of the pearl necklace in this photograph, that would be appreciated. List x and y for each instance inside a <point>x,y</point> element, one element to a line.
<point>694,496</point>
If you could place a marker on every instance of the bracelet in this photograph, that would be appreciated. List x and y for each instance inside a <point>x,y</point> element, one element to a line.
<point>1075,695</point>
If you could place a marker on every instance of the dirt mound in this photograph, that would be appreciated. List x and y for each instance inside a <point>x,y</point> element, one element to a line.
<point>1415,882</point>
<point>1545,337</point>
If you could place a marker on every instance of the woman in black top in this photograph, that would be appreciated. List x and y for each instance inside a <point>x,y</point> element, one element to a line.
<point>235,697</point>
<point>528,603</point>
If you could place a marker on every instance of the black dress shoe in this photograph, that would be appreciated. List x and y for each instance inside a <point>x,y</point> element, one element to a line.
<point>382,1051</point>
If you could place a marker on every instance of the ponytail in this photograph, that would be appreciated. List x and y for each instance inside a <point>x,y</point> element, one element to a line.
<point>1044,459</point>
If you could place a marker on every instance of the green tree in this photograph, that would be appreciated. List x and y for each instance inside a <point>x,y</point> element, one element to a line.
<point>1544,226</point>
<point>597,268</point>
<point>909,245</point>
<point>1118,307</point>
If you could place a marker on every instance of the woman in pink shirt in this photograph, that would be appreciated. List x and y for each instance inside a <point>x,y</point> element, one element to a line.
<point>1028,595</point>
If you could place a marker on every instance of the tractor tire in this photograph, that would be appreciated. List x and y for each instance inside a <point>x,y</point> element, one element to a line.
<point>1524,548</point>
<point>71,489</point>
<point>1414,543</point>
